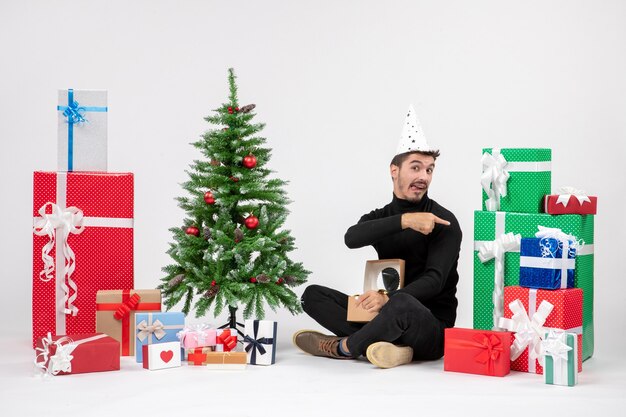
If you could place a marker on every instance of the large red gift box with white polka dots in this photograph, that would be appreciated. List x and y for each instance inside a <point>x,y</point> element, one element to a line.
<point>82,243</point>
<point>567,315</point>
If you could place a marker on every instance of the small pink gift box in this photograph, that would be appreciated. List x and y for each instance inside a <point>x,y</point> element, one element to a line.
<point>200,335</point>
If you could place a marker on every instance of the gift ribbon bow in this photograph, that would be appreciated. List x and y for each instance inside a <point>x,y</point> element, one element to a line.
<point>227,339</point>
<point>495,250</point>
<point>491,348</point>
<point>155,328</point>
<point>198,329</point>
<point>61,360</point>
<point>494,178</point>
<point>558,358</point>
<point>528,330</point>
<point>73,112</point>
<point>554,346</point>
<point>125,307</point>
<point>565,193</point>
<point>566,242</point>
<point>66,221</point>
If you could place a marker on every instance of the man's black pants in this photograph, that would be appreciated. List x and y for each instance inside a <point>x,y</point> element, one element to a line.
<point>403,320</point>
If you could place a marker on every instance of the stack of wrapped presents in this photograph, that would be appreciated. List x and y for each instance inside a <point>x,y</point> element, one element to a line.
<point>533,273</point>
<point>86,313</point>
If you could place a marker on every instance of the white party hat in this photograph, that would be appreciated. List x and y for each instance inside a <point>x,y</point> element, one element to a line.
<point>413,138</point>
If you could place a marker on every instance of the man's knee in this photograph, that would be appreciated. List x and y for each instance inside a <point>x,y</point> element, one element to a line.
<point>404,303</point>
<point>310,296</point>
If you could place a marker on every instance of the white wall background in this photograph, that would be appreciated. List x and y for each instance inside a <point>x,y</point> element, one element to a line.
<point>332,80</point>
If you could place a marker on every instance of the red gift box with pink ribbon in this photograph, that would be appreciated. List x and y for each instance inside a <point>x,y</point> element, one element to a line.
<point>474,351</point>
<point>82,243</point>
<point>530,313</point>
<point>570,201</point>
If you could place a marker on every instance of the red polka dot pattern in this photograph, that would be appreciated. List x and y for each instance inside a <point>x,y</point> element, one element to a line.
<point>104,255</point>
<point>566,314</point>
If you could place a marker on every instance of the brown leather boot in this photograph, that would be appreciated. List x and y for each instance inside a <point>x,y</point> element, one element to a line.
<point>318,344</point>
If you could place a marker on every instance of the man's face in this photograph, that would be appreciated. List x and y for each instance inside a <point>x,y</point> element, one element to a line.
<point>412,179</point>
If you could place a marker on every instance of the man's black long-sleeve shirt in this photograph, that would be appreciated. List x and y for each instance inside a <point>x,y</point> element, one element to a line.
<point>430,260</point>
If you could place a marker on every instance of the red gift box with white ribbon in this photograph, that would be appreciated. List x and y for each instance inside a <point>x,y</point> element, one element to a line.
<point>530,313</point>
<point>77,354</point>
<point>570,201</point>
<point>82,243</point>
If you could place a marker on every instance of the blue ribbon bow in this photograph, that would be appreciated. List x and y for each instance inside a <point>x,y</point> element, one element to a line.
<point>73,112</point>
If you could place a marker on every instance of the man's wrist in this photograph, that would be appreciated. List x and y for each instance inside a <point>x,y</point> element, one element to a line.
<point>403,225</point>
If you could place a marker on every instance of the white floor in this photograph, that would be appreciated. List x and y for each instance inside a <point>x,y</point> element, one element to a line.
<point>302,385</point>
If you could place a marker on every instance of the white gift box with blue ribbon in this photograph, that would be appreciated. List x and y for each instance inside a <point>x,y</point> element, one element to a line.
<point>260,341</point>
<point>548,261</point>
<point>82,130</point>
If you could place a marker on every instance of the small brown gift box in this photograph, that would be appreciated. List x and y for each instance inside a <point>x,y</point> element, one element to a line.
<point>372,270</point>
<point>115,314</point>
<point>226,360</point>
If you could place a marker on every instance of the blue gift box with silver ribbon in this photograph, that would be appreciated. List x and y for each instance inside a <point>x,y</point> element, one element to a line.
<point>82,130</point>
<point>547,263</point>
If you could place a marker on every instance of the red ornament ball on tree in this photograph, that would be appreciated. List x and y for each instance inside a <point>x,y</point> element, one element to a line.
<point>234,179</point>
<point>208,198</point>
<point>192,230</point>
<point>251,222</point>
<point>236,109</point>
<point>230,110</point>
<point>253,280</point>
<point>249,161</point>
<point>280,281</point>
<point>213,283</point>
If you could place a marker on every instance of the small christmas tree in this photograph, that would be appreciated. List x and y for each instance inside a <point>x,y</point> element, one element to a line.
<point>231,250</point>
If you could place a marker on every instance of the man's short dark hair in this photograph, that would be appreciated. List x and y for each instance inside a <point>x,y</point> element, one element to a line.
<point>399,159</point>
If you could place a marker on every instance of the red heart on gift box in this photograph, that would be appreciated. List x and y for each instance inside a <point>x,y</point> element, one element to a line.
<point>167,356</point>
